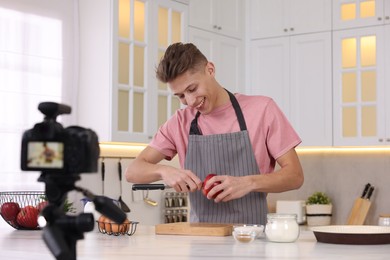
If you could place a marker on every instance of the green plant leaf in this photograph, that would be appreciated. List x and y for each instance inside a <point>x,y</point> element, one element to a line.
<point>318,198</point>
<point>68,206</point>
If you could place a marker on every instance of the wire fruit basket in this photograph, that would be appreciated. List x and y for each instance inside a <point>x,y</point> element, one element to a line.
<point>106,226</point>
<point>20,209</point>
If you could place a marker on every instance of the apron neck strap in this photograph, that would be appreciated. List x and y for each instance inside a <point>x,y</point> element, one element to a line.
<point>237,109</point>
<point>194,128</point>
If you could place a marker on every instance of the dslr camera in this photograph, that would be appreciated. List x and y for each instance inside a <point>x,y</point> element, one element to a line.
<point>50,147</point>
<point>61,154</point>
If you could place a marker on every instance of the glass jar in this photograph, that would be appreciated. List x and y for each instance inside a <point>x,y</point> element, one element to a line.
<point>282,227</point>
<point>384,220</point>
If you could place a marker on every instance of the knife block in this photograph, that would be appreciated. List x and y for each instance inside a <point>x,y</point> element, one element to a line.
<point>359,212</point>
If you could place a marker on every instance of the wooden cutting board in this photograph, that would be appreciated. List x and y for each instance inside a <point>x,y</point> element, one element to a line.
<point>194,229</point>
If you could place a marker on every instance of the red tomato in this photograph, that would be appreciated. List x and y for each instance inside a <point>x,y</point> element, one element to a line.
<point>10,210</point>
<point>28,217</point>
<point>41,205</point>
<point>206,191</point>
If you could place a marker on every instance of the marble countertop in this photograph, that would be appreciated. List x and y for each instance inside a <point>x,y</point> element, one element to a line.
<point>144,244</point>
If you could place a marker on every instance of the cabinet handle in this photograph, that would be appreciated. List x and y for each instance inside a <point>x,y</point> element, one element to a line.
<point>387,139</point>
<point>285,29</point>
<point>219,27</point>
<point>291,29</point>
<point>380,140</point>
<point>387,17</point>
<point>379,18</point>
<point>215,27</point>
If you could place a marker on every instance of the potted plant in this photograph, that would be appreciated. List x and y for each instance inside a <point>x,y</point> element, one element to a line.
<point>318,209</point>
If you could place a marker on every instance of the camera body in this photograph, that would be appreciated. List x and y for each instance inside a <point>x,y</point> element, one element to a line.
<point>51,148</point>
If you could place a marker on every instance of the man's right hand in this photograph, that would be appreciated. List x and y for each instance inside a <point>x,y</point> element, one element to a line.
<point>181,180</point>
<point>146,169</point>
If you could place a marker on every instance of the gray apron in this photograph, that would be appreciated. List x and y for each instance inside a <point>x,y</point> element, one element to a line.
<point>224,154</point>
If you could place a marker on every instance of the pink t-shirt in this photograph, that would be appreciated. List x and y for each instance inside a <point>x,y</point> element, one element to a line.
<point>270,132</point>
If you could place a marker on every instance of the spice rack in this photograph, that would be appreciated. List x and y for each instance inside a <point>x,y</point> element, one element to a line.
<point>176,207</point>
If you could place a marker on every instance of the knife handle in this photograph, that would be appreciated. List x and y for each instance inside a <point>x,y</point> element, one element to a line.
<point>148,187</point>
<point>120,170</point>
<point>369,193</point>
<point>366,188</point>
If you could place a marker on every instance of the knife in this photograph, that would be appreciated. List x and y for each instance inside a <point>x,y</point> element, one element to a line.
<point>366,188</point>
<point>149,187</point>
<point>369,193</point>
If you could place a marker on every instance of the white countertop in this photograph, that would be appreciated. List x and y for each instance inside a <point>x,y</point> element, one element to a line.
<point>144,244</point>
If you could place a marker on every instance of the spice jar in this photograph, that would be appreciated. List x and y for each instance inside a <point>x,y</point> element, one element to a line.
<point>282,227</point>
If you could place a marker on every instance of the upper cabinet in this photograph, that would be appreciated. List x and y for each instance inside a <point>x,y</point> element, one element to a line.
<point>121,42</point>
<point>296,72</point>
<point>95,60</point>
<point>225,52</point>
<point>289,60</point>
<point>144,29</point>
<point>361,113</point>
<point>285,17</point>
<point>361,59</point>
<point>359,13</point>
<point>218,16</point>
<point>216,27</point>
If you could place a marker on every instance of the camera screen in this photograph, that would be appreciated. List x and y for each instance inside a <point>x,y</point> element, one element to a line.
<point>45,155</point>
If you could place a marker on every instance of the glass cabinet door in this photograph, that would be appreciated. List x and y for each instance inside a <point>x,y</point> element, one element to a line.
<point>358,87</point>
<point>358,13</point>
<point>171,29</point>
<point>143,29</point>
<point>132,46</point>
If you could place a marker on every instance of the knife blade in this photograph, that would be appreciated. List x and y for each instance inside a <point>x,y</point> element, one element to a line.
<point>366,188</point>
<point>369,193</point>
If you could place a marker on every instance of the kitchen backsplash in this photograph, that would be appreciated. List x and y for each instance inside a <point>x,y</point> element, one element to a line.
<point>342,175</point>
<point>141,211</point>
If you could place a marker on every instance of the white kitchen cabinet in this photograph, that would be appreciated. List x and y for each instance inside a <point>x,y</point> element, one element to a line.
<point>172,27</point>
<point>270,70</point>
<point>284,17</point>
<point>361,113</point>
<point>227,55</point>
<point>95,59</point>
<point>360,13</point>
<point>121,42</point>
<point>296,72</point>
<point>218,16</point>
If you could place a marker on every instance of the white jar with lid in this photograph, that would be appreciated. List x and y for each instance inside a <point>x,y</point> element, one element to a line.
<point>282,227</point>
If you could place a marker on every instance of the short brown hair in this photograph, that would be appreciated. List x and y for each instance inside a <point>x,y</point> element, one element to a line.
<point>178,59</point>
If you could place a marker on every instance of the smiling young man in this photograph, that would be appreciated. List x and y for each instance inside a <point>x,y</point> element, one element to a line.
<point>237,137</point>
